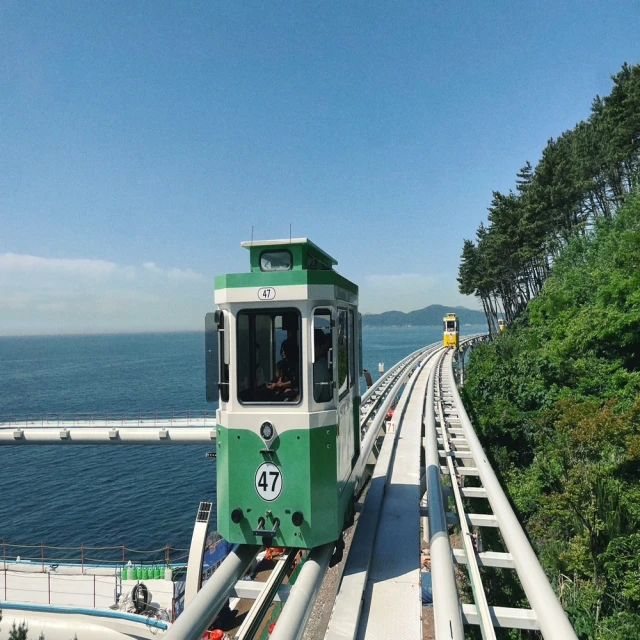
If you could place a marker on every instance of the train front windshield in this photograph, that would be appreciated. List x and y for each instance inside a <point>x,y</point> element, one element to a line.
<point>269,356</point>
<point>450,325</point>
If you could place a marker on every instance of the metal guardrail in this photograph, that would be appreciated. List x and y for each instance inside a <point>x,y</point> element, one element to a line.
<point>448,452</point>
<point>84,556</point>
<point>170,432</point>
<point>446,605</point>
<point>550,618</point>
<point>179,418</point>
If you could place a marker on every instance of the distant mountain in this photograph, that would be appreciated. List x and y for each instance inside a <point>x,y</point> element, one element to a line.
<point>430,316</point>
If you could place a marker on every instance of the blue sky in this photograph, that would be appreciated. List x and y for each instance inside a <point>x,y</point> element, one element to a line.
<point>141,141</point>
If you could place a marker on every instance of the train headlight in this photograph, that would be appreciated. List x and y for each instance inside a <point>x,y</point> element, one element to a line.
<point>297,518</point>
<point>266,430</point>
<point>236,516</point>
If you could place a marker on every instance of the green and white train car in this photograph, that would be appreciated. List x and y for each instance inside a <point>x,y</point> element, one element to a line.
<point>289,345</point>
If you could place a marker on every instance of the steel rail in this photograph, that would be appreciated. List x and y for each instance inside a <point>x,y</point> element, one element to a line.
<point>481,604</point>
<point>300,599</point>
<point>371,436</point>
<point>290,625</point>
<point>551,618</point>
<point>347,607</point>
<point>446,602</point>
<point>293,619</point>
<point>384,383</point>
<point>401,363</point>
<point>204,608</point>
<point>258,611</point>
<point>350,601</point>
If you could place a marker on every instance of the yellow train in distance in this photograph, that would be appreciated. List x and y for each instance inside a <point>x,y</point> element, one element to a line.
<point>501,324</point>
<point>451,326</point>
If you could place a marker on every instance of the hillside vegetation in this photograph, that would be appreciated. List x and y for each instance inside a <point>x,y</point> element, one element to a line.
<point>583,176</point>
<point>556,401</point>
<point>556,398</point>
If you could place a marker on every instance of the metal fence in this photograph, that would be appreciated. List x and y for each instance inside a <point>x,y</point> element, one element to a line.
<point>88,555</point>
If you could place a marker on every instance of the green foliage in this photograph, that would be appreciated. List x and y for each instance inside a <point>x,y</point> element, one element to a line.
<point>556,402</point>
<point>20,632</point>
<point>623,625</point>
<point>583,178</point>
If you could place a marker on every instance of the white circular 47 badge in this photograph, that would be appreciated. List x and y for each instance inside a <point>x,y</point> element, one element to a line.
<point>268,481</point>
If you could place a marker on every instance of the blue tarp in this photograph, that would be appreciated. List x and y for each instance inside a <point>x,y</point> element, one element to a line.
<point>216,555</point>
<point>427,593</point>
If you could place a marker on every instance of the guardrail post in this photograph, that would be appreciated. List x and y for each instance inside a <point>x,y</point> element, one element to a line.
<point>167,555</point>
<point>49,586</point>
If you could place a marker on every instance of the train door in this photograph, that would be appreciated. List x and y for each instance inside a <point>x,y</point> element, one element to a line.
<point>345,371</point>
<point>322,358</point>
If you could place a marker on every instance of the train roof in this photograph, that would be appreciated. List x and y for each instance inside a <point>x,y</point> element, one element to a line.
<point>286,262</point>
<point>300,246</point>
<point>303,254</point>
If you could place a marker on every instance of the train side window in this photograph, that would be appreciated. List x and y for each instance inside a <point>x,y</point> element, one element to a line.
<point>360,366</point>
<point>322,356</point>
<point>212,363</point>
<point>343,351</point>
<point>269,356</point>
<point>223,355</point>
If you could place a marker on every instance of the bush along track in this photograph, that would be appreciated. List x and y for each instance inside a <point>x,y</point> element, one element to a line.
<point>556,401</point>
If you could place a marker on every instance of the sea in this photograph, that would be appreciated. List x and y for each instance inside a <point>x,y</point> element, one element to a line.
<point>103,497</point>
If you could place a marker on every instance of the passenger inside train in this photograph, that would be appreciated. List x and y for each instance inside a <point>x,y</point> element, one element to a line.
<point>285,384</point>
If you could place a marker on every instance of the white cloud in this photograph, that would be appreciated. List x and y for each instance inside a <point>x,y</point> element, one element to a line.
<point>54,295</point>
<point>53,306</point>
<point>17,263</point>
<point>13,262</point>
<point>178,275</point>
<point>14,301</point>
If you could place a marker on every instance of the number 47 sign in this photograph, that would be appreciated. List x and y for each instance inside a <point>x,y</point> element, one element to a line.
<point>266,293</point>
<point>268,481</point>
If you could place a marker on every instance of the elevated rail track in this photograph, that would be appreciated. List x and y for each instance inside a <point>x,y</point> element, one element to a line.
<point>70,430</point>
<point>417,466</point>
